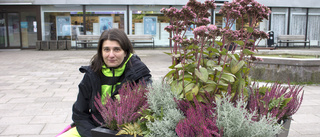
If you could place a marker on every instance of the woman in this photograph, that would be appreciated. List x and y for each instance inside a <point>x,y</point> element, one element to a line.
<point>113,65</point>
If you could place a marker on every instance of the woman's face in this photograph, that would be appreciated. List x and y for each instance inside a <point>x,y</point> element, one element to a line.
<point>112,53</point>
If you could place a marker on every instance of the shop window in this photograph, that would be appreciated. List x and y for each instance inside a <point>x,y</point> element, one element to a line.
<point>29,29</point>
<point>59,20</point>
<point>149,20</point>
<point>97,22</point>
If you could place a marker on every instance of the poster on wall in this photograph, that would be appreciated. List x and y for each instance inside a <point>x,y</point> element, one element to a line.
<point>105,23</point>
<point>63,25</point>
<point>150,25</point>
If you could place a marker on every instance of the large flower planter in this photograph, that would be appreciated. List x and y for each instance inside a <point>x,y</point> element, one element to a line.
<point>104,132</point>
<point>286,127</point>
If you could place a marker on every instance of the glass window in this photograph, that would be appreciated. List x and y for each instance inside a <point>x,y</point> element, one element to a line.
<point>218,18</point>
<point>314,26</point>
<point>298,21</point>
<point>279,21</point>
<point>100,18</point>
<point>29,29</point>
<point>3,31</point>
<point>59,21</point>
<point>13,29</point>
<point>139,14</point>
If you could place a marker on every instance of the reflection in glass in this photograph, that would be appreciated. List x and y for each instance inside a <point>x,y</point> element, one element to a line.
<point>96,22</point>
<point>28,29</point>
<point>139,13</point>
<point>3,31</point>
<point>14,31</point>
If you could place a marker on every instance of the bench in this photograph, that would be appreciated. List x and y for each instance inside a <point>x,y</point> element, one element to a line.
<point>293,39</point>
<point>87,39</point>
<point>141,39</point>
<point>94,39</point>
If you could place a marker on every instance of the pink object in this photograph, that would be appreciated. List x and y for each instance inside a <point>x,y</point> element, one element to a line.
<point>64,130</point>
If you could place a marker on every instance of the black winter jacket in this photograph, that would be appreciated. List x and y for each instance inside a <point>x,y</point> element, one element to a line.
<point>90,86</point>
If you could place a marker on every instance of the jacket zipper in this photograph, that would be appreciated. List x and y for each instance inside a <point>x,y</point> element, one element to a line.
<point>112,84</point>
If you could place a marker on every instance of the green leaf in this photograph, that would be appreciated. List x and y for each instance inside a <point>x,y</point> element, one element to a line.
<point>219,68</point>
<point>199,98</point>
<point>236,67</point>
<point>219,43</point>
<point>202,74</point>
<point>236,56</point>
<point>171,67</point>
<point>211,82</point>
<point>190,47</point>
<point>194,91</point>
<point>170,54</point>
<point>250,29</point>
<point>190,67</point>
<point>242,84</point>
<point>222,83</point>
<point>275,102</point>
<point>251,40</point>
<point>247,52</point>
<point>210,87</point>
<point>211,63</point>
<point>176,87</point>
<point>228,77</point>
<point>178,66</point>
<point>263,90</point>
<point>224,51</point>
<point>170,73</point>
<point>214,50</point>
<point>187,77</point>
<point>285,102</point>
<point>232,56</point>
<point>241,43</point>
<point>189,87</point>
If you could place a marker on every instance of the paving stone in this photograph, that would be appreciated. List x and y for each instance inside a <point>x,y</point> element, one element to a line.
<point>38,112</point>
<point>63,111</point>
<point>30,106</point>
<point>10,112</point>
<point>9,136</point>
<point>49,99</point>
<point>4,106</point>
<point>22,100</point>
<point>58,105</point>
<point>15,120</point>
<point>54,128</point>
<point>48,119</point>
<point>47,94</point>
<point>52,135</point>
<point>28,129</point>
<point>306,118</point>
<point>2,127</point>
<point>306,129</point>
<point>70,98</point>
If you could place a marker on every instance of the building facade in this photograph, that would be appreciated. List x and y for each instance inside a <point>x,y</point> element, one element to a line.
<point>23,22</point>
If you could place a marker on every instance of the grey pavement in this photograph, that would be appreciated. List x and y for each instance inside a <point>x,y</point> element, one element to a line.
<point>38,88</point>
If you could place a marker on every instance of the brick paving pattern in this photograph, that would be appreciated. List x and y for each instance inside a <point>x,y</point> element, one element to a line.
<point>38,88</point>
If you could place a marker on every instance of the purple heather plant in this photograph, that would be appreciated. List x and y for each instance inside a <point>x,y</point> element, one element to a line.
<point>276,101</point>
<point>116,112</point>
<point>199,120</point>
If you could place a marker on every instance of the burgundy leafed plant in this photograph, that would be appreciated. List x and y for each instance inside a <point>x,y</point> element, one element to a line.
<point>199,120</point>
<point>116,112</point>
<point>277,101</point>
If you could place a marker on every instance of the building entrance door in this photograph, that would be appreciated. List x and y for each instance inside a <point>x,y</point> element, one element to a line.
<point>10,36</point>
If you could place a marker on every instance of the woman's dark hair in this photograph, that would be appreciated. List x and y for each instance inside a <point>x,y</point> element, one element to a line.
<point>114,35</point>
